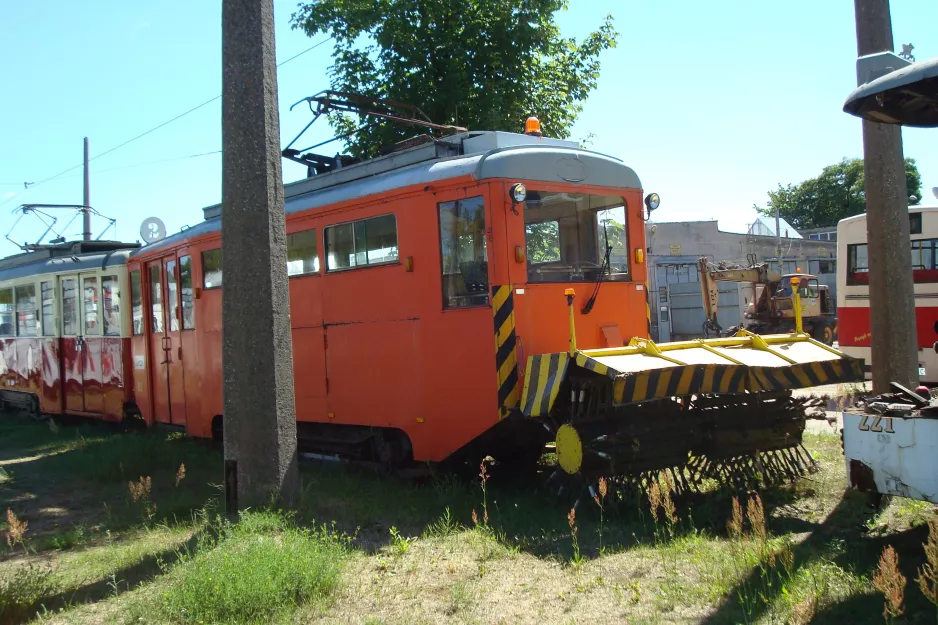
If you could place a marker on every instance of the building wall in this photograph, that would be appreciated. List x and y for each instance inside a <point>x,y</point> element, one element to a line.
<point>678,246</point>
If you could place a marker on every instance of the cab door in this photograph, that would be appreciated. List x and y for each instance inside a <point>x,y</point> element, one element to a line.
<point>168,383</point>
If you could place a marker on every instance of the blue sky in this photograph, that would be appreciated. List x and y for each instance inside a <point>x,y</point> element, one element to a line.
<point>712,103</point>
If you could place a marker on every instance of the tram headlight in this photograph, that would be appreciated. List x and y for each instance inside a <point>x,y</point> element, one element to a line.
<point>652,201</point>
<point>517,193</point>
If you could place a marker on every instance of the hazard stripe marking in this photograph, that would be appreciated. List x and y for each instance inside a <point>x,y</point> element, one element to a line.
<point>506,359</point>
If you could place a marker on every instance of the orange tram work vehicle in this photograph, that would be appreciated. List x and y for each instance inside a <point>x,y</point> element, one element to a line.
<point>483,293</point>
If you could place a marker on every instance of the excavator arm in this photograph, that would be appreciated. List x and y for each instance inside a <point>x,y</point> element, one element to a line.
<point>711,274</point>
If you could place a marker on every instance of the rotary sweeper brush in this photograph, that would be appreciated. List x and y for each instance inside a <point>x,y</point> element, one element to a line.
<point>709,409</point>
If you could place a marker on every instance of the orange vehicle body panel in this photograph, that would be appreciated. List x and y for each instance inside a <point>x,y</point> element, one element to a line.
<point>374,346</point>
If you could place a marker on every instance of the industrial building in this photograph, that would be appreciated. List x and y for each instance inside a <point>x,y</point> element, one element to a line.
<point>674,285</point>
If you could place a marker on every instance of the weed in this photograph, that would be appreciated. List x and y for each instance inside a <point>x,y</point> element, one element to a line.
<point>599,497</point>
<point>140,495</point>
<point>401,544</point>
<point>483,477</point>
<point>21,594</point>
<point>16,529</point>
<point>734,526</point>
<point>459,599</point>
<point>654,499</point>
<point>891,582</point>
<point>571,521</point>
<point>260,568</point>
<point>180,474</point>
<point>928,573</point>
<point>445,526</point>
<point>756,515</point>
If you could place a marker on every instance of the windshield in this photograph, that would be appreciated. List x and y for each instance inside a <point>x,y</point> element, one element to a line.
<point>568,236</point>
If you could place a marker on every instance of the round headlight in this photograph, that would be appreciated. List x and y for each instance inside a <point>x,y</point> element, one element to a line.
<point>518,192</point>
<point>652,201</point>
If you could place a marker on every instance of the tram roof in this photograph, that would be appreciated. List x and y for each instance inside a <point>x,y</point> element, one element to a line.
<point>66,258</point>
<point>486,155</point>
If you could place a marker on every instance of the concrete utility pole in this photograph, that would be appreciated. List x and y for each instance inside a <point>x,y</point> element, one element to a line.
<point>85,213</point>
<point>892,299</point>
<point>260,416</point>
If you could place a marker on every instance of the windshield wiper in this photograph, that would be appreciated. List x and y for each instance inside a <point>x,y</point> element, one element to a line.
<point>603,270</point>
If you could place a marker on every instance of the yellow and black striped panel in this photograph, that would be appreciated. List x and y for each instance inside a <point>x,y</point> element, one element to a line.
<point>591,364</point>
<point>678,381</point>
<point>542,380</point>
<point>506,359</point>
<point>805,375</point>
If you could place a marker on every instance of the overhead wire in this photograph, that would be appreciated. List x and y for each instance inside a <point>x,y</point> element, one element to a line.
<point>155,128</point>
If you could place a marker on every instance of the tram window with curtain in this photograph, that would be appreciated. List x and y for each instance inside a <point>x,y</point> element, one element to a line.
<point>185,287</point>
<point>156,300</point>
<point>26,310</point>
<point>70,307</point>
<point>361,243</point>
<point>136,302</point>
<point>463,253</point>
<point>211,269</point>
<point>110,290</point>
<point>91,307</point>
<point>47,293</point>
<point>6,312</point>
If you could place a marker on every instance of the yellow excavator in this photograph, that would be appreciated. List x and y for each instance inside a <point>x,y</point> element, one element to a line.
<point>771,310</point>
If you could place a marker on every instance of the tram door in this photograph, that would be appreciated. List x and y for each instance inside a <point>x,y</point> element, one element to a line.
<point>81,342</point>
<point>169,396</point>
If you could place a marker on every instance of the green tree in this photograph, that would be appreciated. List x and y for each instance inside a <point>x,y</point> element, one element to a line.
<point>480,64</point>
<point>834,195</point>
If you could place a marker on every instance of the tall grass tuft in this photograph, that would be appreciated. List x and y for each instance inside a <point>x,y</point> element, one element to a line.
<point>23,592</point>
<point>891,582</point>
<point>259,569</point>
<point>756,515</point>
<point>734,527</point>
<point>16,529</point>
<point>928,573</point>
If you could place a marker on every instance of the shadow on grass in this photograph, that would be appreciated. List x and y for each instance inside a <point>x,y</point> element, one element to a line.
<point>119,582</point>
<point>860,555</point>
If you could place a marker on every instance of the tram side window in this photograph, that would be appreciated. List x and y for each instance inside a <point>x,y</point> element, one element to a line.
<point>156,299</point>
<point>211,269</point>
<point>47,292</point>
<point>463,253</point>
<point>302,255</point>
<point>26,310</point>
<point>858,265</point>
<point>6,312</point>
<point>136,302</point>
<point>361,243</point>
<point>110,289</point>
<point>185,287</point>
<point>69,307</point>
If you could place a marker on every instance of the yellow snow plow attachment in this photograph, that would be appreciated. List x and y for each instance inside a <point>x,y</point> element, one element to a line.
<point>709,408</point>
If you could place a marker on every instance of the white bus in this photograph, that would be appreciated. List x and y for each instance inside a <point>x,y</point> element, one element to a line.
<point>853,288</point>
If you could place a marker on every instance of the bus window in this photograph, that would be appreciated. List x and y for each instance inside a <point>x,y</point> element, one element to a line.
<point>136,302</point>
<point>26,310</point>
<point>857,264</point>
<point>575,237</point>
<point>110,290</point>
<point>924,266</point>
<point>48,308</point>
<point>463,253</point>
<point>6,312</point>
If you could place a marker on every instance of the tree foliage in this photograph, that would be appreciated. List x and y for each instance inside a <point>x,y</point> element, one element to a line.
<point>480,64</point>
<point>834,195</point>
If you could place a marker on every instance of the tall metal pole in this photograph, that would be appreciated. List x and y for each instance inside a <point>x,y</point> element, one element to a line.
<point>259,414</point>
<point>778,243</point>
<point>892,299</point>
<point>86,201</point>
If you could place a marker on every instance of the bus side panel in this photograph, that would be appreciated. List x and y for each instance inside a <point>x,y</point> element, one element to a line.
<point>854,326</point>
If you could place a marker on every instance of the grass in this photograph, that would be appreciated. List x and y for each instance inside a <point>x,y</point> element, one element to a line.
<point>95,550</point>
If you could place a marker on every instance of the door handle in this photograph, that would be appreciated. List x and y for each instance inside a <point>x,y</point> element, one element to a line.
<point>179,353</point>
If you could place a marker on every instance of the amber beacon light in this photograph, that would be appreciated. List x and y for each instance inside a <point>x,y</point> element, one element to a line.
<point>532,126</point>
